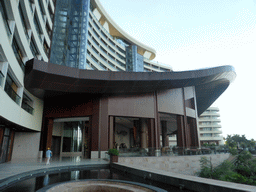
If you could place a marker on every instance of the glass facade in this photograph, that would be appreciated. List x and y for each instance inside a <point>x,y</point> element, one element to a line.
<point>69,40</point>
<point>72,136</point>
<point>134,61</point>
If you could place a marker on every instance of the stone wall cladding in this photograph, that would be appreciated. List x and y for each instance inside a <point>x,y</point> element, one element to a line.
<point>187,165</point>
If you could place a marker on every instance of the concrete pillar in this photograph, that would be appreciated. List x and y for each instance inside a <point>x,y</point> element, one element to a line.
<point>111,132</point>
<point>49,133</point>
<point>144,131</point>
<point>165,140</point>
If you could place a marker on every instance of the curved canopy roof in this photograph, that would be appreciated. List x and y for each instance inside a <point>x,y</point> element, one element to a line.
<point>43,79</point>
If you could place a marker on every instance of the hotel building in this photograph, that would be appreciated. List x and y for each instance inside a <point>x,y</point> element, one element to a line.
<point>73,80</point>
<point>209,128</point>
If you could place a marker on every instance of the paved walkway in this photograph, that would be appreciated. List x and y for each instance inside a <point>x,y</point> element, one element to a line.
<point>25,168</point>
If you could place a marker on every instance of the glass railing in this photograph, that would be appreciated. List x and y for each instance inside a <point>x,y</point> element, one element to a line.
<point>170,151</point>
<point>103,29</point>
<point>95,62</point>
<point>156,64</point>
<point>14,96</point>
<point>1,78</point>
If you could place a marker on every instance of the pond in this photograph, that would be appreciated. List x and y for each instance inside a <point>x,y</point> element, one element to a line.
<point>36,183</point>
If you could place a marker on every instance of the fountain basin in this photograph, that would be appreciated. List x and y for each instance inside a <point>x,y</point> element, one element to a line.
<point>100,186</point>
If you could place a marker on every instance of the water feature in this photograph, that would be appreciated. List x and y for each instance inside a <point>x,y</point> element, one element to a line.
<point>36,183</point>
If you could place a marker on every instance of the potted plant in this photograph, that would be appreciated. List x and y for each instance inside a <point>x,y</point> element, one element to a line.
<point>113,155</point>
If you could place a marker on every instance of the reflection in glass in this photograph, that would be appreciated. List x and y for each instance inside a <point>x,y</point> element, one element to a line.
<point>72,137</point>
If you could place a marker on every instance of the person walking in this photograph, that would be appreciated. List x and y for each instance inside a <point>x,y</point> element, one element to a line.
<point>48,156</point>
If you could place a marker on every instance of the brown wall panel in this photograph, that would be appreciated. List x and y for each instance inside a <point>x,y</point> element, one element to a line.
<point>69,106</point>
<point>95,127</point>
<point>180,131</point>
<point>139,105</point>
<point>103,129</point>
<point>49,133</point>
<point>170,101</point>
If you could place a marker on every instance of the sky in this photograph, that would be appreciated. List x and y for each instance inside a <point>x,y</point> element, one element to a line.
<point>192,34</point>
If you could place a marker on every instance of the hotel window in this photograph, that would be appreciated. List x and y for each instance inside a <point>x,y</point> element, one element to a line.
<point>31,2</point>
<point>41,6</point>
<point>33,47</point>
<point>37,25</point>
<point>11,89</point>
<point>27,104</point>
<point>48,29</point>
<point>46,48</point>
<point>17,53</point>
<point>5,17</point>
<point>50,11</point>
<point>23,21</point>
<point>1,78</point>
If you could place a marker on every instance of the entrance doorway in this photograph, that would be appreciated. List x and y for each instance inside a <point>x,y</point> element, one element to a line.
<point>71,137</point>
<point>132,135</point>
<point>6,140</point>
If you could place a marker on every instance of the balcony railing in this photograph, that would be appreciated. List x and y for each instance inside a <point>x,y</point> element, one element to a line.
<point>168,151</point>
<point>14,96</point>
<point>1,78</point>
<point>5,18</point>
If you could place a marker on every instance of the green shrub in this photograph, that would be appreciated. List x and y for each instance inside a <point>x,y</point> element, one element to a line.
<point>113,152</point>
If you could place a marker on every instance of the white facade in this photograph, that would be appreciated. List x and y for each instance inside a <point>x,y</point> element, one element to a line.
<point>209,127</point>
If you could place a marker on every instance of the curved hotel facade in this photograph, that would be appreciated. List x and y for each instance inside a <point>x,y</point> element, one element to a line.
<point>73,80</point>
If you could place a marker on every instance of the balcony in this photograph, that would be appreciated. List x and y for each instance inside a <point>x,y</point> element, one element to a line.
<point>211,138</point>
<point>211,131</point>
<point>14,96</point>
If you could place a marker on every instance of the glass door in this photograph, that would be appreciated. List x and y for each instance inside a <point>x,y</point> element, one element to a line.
<point>72,140</point>
<point>5,146</point>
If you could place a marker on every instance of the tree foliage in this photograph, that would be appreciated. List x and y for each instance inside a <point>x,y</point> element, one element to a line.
<point>237,141</point>
<point>242,170</point>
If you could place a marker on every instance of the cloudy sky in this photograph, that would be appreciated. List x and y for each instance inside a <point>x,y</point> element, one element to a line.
<point>192,34</point>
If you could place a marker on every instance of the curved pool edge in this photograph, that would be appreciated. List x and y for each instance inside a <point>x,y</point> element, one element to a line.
<point>7,182</point>
<point>152,188</point>
<point>182,181</point>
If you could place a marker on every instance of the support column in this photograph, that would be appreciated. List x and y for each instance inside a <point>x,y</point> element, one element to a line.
<point>144,130</point>
<point>151,140</point>
<point>164,134</point>
<point>157,124</point>
<point>111,132</point>
<point>194,133</point>
<point>49,133</point>
<point>180,134</point>
<point>185,127</point>
<point>95,130</point>
<point>11,145</point>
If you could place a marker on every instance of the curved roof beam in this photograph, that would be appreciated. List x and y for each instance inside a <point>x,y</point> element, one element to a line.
<point>46,79</point>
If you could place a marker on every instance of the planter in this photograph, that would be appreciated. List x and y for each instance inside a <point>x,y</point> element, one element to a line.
<point>113,158</point>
